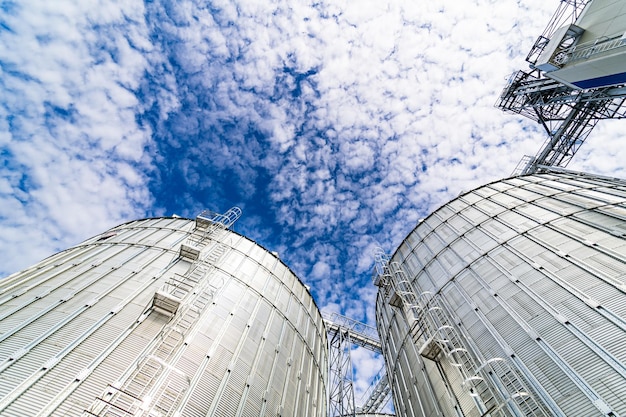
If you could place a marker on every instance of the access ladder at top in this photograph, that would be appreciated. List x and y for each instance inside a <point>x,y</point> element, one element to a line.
<point>153,386</point>
<point>493,383</point>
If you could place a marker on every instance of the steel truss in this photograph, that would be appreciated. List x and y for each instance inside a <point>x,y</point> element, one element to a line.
<point>341,401</point>
<point>567,114</point>
<point>567,12</point>
<point>343,334</point>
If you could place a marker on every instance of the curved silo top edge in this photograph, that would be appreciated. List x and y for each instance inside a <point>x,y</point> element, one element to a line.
<point>175,217</point>
<point>543,170</point>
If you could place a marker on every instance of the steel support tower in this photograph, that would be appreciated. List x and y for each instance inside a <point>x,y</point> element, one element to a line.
<point>343,334</point>
<point>567,113</point>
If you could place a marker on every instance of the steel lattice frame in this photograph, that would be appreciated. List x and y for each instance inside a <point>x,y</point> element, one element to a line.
<point>568,115</point>
<point>343,334</point>
<point>341,401</point>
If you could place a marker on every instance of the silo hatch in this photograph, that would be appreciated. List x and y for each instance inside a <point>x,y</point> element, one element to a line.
<point>189,251</point>
<point>430,349</point>
<point>165,303</point>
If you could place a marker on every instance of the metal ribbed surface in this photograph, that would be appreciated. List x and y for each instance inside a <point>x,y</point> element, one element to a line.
<point>247,338</point>
<point>531,269</point>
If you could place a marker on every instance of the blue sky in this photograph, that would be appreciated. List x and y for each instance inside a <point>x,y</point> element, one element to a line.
<point>334,125</point>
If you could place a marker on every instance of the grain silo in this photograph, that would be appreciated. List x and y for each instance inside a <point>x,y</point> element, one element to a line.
<point>510,300</point>
<point>162,317</point>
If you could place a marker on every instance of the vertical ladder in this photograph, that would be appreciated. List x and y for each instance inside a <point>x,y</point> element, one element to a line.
<point>208,225</point>
<point>494,383</point>
<point>439,337</point>
<point>155,386</point>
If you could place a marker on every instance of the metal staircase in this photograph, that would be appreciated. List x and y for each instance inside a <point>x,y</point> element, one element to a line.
<point>494,384</point>
<point>153,386</point>
<point>208,224</point>
<point>377,395</point>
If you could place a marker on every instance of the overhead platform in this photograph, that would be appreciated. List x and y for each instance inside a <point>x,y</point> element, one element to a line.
<point>577,78</point>
<point>590,53</point>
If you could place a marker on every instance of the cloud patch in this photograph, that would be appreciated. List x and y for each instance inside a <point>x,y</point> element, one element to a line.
<point>75,156</point>
<point>336,126</point>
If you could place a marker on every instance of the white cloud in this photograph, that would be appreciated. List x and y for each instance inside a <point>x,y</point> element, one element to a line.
<point>367,365</point>
<point>344,121</point>
<point>74,150</point>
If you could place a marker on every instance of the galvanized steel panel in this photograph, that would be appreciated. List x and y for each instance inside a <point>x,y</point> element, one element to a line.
<point>535,282</point>
<point>259,310</point>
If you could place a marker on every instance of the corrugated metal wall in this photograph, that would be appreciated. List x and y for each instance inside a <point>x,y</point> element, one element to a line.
<point>531,270</point>
<point>78,335</point>
<point>374,415</point>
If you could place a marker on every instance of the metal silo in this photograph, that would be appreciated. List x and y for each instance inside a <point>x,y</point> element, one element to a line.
<point>161,317</point>
<point>511,300</point>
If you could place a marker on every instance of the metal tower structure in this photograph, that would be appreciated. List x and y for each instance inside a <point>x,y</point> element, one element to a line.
<point>343,334</point>
<point>567,110</point>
